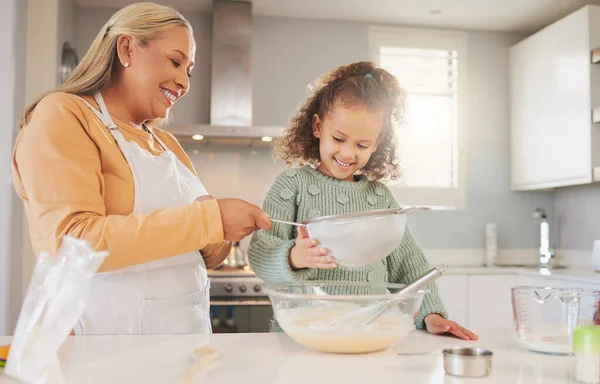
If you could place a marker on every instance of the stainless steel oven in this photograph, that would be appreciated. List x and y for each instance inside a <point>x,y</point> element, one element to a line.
<point>237,301</point>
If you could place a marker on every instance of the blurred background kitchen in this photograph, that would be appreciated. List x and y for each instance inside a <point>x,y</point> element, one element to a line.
<point>499,121</point>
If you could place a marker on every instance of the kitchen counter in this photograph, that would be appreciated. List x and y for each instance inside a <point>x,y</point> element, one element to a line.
<point>274,358</point>
<point>574,274</point>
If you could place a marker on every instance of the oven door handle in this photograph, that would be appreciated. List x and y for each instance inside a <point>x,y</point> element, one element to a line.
<point>244,302</point>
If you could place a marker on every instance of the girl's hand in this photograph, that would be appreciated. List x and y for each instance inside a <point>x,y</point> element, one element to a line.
<point>306,254</point>
<point>437,325</point>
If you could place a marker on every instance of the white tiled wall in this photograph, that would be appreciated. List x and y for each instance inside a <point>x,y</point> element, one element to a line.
<point>243,173</point>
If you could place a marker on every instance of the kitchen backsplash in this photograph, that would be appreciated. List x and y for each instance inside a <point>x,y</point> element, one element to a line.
<point>243,173</point>
<point>578,216</point>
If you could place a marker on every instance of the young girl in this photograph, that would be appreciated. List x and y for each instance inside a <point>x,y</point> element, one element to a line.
<point>343,135</point>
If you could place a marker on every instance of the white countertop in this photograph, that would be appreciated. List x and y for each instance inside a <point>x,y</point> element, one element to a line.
<point>274,358</point>
<point>575,274</point>
<point>572,274</point>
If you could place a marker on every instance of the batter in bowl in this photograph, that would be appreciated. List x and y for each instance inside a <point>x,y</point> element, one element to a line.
<point>309,327</point>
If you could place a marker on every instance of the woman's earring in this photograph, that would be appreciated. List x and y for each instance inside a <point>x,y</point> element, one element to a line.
<point>126,64</point>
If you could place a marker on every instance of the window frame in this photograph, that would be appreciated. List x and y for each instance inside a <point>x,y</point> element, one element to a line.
<point>436,198</point>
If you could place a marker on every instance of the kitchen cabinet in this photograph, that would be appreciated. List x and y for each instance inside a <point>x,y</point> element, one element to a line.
<point>554,89</point>
<point>479,300</point>
<point>489,301</point>
<point>453,292</point>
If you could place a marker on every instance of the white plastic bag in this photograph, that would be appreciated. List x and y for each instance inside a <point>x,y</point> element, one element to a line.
<point>55,299</point>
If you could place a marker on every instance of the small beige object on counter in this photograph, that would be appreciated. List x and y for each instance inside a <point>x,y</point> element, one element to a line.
<point>202,357</point>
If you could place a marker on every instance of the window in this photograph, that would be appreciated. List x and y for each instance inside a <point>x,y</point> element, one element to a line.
<point>431,68</point>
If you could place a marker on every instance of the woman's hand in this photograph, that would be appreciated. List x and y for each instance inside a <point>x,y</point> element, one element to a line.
<point>239,217</point>
<point>436,324</point>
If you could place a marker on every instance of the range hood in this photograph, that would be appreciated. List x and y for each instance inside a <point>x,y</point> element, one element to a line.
<point>231,81</point>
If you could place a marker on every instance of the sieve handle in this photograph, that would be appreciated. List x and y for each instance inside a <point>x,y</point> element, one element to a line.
<point>412,209</point>
<point>289,223</point>
<point>429,277</point>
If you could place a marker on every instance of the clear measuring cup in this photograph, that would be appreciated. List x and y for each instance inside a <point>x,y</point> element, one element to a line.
<point>545,317</point>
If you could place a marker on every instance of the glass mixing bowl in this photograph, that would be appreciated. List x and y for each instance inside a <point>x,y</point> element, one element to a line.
<point>545,317</point>
<point>309,313</point>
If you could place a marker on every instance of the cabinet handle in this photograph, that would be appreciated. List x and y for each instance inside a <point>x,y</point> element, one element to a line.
<point>596,115</point>
<point>596,56</point>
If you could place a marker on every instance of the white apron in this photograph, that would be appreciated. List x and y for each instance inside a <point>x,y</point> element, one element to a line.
<point>165,296</point>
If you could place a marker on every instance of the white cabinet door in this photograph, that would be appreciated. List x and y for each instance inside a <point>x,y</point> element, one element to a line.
<point>453,291</point>
<point>550,103</point>
<point>489,301</point>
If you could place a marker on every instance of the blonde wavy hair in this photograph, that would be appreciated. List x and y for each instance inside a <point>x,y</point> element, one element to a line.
<point>143,22</point>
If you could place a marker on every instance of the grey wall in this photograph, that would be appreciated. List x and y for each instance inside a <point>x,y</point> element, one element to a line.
<point>17,211</point>
<point>488,176</point>
<point>289,53</point>
<point>41,28</point>
<point>12,76</point>
<point>578,216</point>
<point>65,29</point>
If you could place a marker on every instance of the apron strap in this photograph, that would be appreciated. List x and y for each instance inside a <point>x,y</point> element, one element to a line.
<point>104,116</point>
<point>159,141</point>
<point>107,120</point>
<point>93,109</point>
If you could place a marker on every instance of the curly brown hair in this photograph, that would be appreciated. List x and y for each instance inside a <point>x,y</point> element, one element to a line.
<point>357,84</point>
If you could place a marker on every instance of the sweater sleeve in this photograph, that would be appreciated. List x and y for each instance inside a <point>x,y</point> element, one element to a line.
<point>406,263</point>
<point>214,254</point>
<point>60,176</point>
<point>269,251</point>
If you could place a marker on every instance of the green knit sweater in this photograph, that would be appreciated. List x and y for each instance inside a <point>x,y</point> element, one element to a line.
<point>300,194</point>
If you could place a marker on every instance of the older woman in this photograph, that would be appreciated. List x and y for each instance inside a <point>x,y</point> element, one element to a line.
<point>90,163</point>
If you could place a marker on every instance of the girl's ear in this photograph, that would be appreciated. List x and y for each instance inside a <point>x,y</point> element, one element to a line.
<point>316,126</point>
